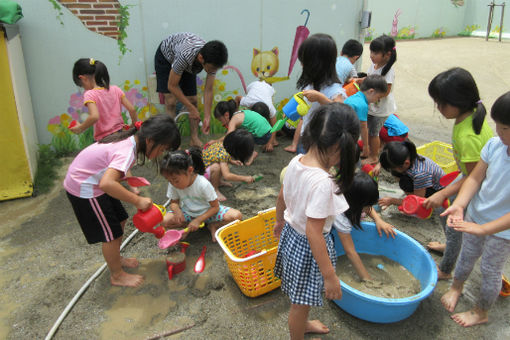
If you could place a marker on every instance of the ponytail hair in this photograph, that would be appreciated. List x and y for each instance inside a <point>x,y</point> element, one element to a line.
<point>160,130</point>
<point>395,153</point>
<point>335,125</point>
<point>179,161</point>
<point>91,67</point>
<point>384,44</point>
<point>457,87</point>
<point>362,193</point>
<point>229,106</point>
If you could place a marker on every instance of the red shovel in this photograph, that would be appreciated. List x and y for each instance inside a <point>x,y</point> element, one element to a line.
<point>200,264</point>
<point>136,181</point>
<point>448,178</point>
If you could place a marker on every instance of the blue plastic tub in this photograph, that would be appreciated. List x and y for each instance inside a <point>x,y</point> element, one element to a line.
<point>404,250</point>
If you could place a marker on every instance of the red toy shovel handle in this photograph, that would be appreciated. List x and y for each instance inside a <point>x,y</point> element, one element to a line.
<point>200,264</point>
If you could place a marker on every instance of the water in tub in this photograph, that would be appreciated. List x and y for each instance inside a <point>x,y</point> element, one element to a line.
<point>389,278</point>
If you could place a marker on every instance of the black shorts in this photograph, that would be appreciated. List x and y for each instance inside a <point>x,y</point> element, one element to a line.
<point>99,217</point>
<point>188,82</point>
<point>406,183</point>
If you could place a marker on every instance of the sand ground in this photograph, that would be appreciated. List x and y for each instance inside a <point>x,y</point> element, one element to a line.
<point>44,258</point>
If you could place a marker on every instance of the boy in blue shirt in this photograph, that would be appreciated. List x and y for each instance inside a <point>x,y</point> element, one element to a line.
<point>351,51</point>
<point>371,90</point>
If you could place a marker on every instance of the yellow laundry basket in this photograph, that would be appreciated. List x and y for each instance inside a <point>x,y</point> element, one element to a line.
<point>250,251</point>
<point>441,153</point>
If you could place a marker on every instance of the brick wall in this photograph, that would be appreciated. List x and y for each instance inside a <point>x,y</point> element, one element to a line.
<point>99,16</point>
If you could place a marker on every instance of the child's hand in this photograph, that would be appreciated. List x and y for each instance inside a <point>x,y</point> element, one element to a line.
<point>236,162</point>
<point>434,201</point>
<point>387,228</point>
<point>468,227</point>
<point>77,129</point>
<point>179,217</point>
<point>277,229</point>
<point>194,225</point>
<point>248,179</point>
<point>316,96</point>
<point>385,202</point>
<point>143,203</point>
<point>377,169</point>
<point>455,213</point>
<point>332,288</point>
<point>268,147</point>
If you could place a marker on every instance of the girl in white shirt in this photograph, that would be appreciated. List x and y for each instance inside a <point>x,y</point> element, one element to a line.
<point>309,200</point>
<point>193,200</point>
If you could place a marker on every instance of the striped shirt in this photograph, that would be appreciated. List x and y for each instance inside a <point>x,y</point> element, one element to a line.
<point>425,174</point>
<point>181,51</point>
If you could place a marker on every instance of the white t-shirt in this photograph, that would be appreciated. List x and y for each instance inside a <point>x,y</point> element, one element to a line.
<point>385,106</point>
<point>87,169</point>
<point>259,91</point>
<point>310,192</point>
<point>194,200</point>
<point>331,91</point>
<point>492,200</point>
<point>342,224</point>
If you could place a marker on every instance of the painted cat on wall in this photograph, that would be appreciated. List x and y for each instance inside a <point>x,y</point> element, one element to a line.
<point>265,64</point>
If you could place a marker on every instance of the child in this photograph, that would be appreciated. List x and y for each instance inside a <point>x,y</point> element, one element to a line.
<point>193,199</point>
<point>102,101</point>
<point>261,92</point>
<point>351,51</point>
<point>236,148</point>
<point>362,194</point>
<point>372,89</point>
<point>93,188</point>
<point>307,203</point>
<point>318,81</point>
<point>383,55</point>
<point>486,224</point>
<point>254,122</point>
<point>456,95</point>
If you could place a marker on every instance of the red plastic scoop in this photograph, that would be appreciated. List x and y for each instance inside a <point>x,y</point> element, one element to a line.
<point>448,178</point>
<point>200,264</point>
<point>136,181</point>
<point>172,236</point>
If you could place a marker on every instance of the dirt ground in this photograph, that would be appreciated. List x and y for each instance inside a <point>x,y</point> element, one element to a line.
<point>44,258</point>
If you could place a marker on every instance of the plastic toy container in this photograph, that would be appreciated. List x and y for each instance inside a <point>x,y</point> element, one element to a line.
<point>404,250</point>
<point>250,251</point>
<point>441,153</point>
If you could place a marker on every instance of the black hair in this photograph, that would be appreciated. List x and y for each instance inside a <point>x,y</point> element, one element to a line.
<point>362,74</point>
<point>179,161</point>
<point>261,108</point>
<point>362,193</point>
<point>395,153</point>
<point>214,52</point>
<point>384,44</point>
<point>500,111</point>
<point>457,87</point>
<point>229,106</point>
<point>160,129</point>
<point>318,55</point>
<point>334,124</point>
<point>239,144</point>
<point>91,67</point>
<point>376,82</point>
<point>352,48</point>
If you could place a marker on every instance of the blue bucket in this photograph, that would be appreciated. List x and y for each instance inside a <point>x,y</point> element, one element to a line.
<point>290,109</point>
<point>404,250</point>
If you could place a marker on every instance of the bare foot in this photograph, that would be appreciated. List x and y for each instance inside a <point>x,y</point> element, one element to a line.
<point>124,279</point>
<point>275,143</point>
<point>315,326</point>
<point>129,262</point>
<point>212,229</point>
<point>291,148</point>
<point>472,317</point>
<point>436,246</point>
<point>134,190</point>
<point>450,298</point>
<point>225,184</point>
<point>221,197</point>
<point>442,275</point>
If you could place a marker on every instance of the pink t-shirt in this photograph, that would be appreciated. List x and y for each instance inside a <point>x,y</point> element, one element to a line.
<point>87,169</point>
<point>310,192</point>
<point>108,104</point>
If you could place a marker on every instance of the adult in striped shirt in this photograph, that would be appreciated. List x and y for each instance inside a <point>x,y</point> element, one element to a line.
<point>179,58</point>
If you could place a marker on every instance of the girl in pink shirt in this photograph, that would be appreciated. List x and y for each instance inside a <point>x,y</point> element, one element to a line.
<point>93,187</point>
<point>102,100</point>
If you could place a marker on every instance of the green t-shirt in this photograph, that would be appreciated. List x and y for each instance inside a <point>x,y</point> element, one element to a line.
<point>467,144</point>
<point>254,123</point>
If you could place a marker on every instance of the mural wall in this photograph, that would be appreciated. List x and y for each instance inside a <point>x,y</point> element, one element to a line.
<point>260,36</point>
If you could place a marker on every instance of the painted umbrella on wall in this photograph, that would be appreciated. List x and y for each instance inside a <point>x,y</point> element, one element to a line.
<point>301,34</point>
